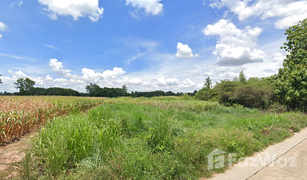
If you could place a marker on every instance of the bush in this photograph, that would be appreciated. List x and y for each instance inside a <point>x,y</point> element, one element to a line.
<point>254,97</point>
<point>206,94</point>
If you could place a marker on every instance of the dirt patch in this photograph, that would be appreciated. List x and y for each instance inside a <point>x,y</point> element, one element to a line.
<point>12,155</point>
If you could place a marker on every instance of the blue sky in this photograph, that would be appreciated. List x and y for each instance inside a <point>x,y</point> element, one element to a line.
<point>144,44</point>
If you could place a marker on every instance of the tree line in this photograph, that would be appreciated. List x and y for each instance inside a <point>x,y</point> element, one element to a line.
<point>26,88</point>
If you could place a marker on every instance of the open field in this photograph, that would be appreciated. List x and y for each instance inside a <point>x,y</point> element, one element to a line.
<point>20,115</point>
<point>151,138</point>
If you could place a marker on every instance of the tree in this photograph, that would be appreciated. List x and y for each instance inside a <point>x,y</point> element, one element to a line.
<point>242,78</point>
<point>93,89</point>
<point>291,81</point>
<point>208,83</point>
<point>24,85</point>
<point>125,89</point>
<point>0,80</point>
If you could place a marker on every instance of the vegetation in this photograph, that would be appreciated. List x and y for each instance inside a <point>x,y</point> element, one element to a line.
<point>252,93</point>
<point>97,91</point>
<point>159,137</point>
<point>152,138</point>
<point>55,91</point>
<point>208,83</point>
<point>24,85</point>
<point>0,80</point>
<point>291,81</point>
<point>20,115</point>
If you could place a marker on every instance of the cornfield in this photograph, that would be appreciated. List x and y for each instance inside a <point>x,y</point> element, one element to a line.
<point>20,115</point>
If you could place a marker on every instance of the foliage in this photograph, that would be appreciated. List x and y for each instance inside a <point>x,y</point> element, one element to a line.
<point>53,91</point>
<point>242,78</point>
<point>252,93</point>
<point>0,80</point>
<point>208,83</point>
<point>291,81</point>
<point>96,91</point>
<point>206,94</point>
<point>125,89</point>
<point>24,85</point>
<point>254,97</point>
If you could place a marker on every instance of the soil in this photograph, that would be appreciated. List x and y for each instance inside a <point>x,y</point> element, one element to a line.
<point>12,154</point>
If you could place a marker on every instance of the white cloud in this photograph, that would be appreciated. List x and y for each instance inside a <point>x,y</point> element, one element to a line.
<point>74,8</point>
<point>57,66</point>
<point>49,78</point>
<point>18,3</point>
<point>184,51</point>
<point>17,73</point>
<point>279,57</point>
<point>288,12</point>
<point>22,57</point>
<point>235,46</point>
<point>0,36</point>
<point>3,27</point>
<point>90,75</point>
<point>187,83</point>
<point>49,46</point>
<point>167,82</point>
<point>153,7</point>
<point>116,72</point>
<point>132,81</point>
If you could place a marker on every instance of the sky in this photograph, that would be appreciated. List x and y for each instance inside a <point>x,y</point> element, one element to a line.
<point>147,45</point>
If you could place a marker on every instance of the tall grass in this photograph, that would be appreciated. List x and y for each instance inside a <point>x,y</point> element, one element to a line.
<point>125,139</point>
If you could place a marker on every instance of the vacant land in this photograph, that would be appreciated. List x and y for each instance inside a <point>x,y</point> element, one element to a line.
<point>151,138</point>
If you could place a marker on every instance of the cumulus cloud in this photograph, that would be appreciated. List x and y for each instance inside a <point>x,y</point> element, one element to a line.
<point>153,7</point>
<point>74,8</point>
<point>188,83</point>
<point>184,51</point>
<point>18,3</point>
<point>167,82</point>
<point>279,57</point>
<point>3,27</point>
<point>19,73</point>
<point>132,81</point>
<point>235,46</point>
<point>115,77</point>
<point>91,76</point>
<point>288,12</point>
<point>57,66</point>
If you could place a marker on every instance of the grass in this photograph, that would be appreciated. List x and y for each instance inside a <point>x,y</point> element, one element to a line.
<point>152,138</point>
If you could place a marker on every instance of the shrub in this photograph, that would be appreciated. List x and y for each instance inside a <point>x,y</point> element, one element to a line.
<point>206,94</point>
<point>254,97</point>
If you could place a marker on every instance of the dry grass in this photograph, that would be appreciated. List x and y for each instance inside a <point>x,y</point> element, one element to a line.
<point>20,115</point>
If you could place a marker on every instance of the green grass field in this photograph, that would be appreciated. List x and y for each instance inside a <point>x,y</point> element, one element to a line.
<point>151,138</point>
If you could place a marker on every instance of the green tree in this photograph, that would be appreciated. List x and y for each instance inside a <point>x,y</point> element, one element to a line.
<point>93,89</point>
<point>125,89</point>
<point>208,83</point>
<point>291,81</point>
<point>24,85</point>
<point>242,78</point>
